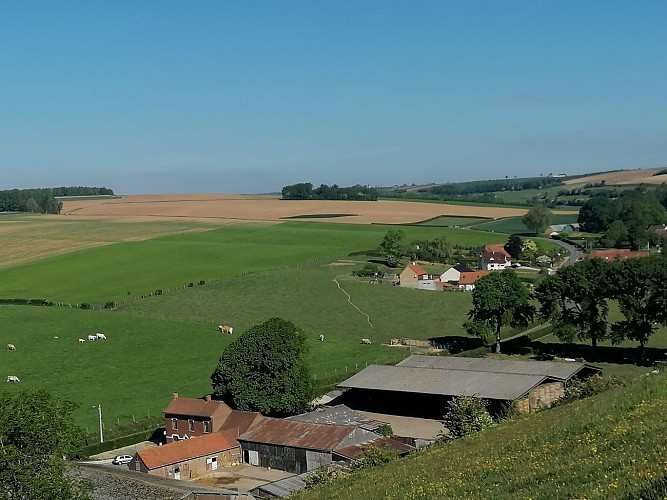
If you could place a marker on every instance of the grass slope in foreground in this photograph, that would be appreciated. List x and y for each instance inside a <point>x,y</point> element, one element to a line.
<point>608,446</point>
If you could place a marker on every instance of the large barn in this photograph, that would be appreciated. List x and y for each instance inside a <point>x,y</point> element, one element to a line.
<point>420,386</point>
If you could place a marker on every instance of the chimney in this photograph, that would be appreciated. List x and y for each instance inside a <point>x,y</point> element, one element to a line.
<point>207,397</point>
<point>175,395</point>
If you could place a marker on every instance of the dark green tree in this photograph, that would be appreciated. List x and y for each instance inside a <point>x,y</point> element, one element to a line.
<point>596,214</point>
<point>616,234</point>
<point>266,370</point>
<point>575,300</point>
<point>441,247</point>
<point>36,432</point>
<point>537,218</point>
<point>499,299</point>
<point>393,247</point>
<point>641,292</point>
<point>514,246</point>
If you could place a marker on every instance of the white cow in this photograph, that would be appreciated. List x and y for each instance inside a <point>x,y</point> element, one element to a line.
<point>365,341</point>
<point>92,338</point>
<point>101,336</point>
<point>81,341</point>
<point>13,378</point>
<point>226,329</point>
<point>11,347</point>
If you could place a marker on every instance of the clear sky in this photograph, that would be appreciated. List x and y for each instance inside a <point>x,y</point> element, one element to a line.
<point>247,96</point>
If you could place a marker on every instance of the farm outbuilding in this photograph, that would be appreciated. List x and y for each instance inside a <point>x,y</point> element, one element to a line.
<point>297,447</point>
<point>420,386</point>
<point>186,418</point>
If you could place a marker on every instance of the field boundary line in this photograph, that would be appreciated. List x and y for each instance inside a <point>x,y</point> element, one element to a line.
<point>349,299</point>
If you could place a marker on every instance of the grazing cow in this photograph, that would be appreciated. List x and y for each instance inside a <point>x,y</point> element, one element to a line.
<point>321,338</point>
<point>81,341</point>
<point>13,378</point>
<point>365,341</point>
<point>101,336</point>
<point>92,338</point>
<point>11,347</point>
<point>226,329</point>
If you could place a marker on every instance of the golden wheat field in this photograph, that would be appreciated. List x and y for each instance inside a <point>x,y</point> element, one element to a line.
<point>644,176</point>
<point>227,208</point>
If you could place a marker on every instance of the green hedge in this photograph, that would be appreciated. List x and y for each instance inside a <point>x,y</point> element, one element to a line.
<point>120,442</point>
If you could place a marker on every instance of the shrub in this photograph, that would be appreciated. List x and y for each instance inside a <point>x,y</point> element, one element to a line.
<point>385,430</point>
<point>580,389</point>
<point>85,305</point>
<point>375,455</point>
<point>110,305</point>
<point>323,475</point>
<point>466,415</point>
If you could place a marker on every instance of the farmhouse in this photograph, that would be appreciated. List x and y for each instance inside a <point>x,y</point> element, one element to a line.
<point>414,276</point>
<point>467,280</point>
<point>421,385</point>
<point>493,258</point>
<point>454,273</point>
<point>187,459</point>
<point>185,418</point>
<point>295,446</point>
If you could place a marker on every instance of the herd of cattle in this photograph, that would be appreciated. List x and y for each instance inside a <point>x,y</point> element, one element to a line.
<point>91,338</point>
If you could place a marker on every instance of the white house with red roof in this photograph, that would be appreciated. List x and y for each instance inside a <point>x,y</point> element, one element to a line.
<point>493,258</point>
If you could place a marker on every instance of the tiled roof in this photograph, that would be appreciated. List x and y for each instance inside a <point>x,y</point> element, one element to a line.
<point>470,278</point>
<point>499,257</point>
<point>239,422</point>
<point>616,254</point>
<point>187,449</point>
<point>500,248</point>
<point>419,270</point>
<point>297,434</point>
<point>196,407</point>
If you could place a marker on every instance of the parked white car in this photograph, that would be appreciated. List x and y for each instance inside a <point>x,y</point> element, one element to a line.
<point>122,459</point>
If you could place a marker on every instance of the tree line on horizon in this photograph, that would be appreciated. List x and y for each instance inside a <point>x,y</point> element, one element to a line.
<point>305,191</point>
<point>43,200</point>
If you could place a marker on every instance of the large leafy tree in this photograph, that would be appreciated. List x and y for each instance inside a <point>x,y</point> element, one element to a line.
<point>499,299</point>
<point>441,247</point>
<point>393,247</point>
<point>596,214</point>
<point>537,218</point>
<point>266,370</point>
<point>642,298</point>
<point>616,234</point>
<point>575,300</point>
<point>514,246</point>
<point>36,432</point>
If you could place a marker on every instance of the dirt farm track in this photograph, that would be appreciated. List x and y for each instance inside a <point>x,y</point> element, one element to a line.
<point>227,208</point>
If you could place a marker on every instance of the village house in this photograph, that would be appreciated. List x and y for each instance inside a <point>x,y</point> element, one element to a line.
<point>453,274</point>
<point>467,280</point>
<point>185,418</point>
<point>414,276</point>
<point>494,258</point>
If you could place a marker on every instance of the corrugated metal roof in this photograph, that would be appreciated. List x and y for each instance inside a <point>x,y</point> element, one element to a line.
<point>284,487</point>
<point>355,451</point>
<point>505,386</point>
<point>297,434</point>
<point>180,451</point>
<point>561,370</point>
<point>338,415</point>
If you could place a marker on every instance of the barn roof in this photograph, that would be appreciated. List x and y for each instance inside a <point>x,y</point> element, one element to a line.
<point>417,269</point>
<point>443,382</point>
<point>297,434</point>
<point>187,449</point>
<point>338,415</point>
<point>354,451</point>
<point>196,407</point>
<point>560,370</point>
<point>239,422</point>
<point>470,278</point>
<point>499,248</point>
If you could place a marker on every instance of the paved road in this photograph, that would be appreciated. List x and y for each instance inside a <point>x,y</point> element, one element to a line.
<point>575,253</point>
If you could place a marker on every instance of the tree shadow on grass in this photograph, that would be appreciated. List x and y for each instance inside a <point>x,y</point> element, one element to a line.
<point>602,354</point>
<point>457,344</point>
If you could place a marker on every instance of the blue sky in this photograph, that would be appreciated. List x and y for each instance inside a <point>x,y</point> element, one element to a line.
<point>248,96</point>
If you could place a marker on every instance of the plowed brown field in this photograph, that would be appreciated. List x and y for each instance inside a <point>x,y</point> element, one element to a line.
<point>246,208</point>
<point>623,177</point>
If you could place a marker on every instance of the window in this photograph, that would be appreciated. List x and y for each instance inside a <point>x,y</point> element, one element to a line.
<point>174,424</point>
<point>191,425</point>
<point>207,426</point>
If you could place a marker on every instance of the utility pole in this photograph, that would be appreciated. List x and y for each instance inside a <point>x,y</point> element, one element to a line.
<point>99,412</point>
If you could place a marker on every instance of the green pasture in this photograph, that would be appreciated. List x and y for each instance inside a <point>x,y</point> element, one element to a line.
<point>124,271</point>
<point>451,220</point>
<point>514,225</point>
